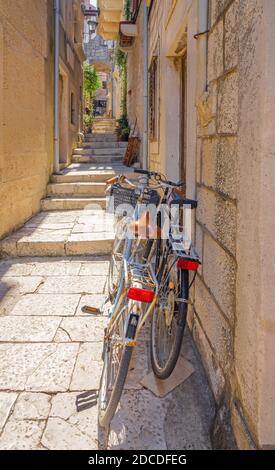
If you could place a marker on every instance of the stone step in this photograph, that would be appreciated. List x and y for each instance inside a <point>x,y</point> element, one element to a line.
<point>62,233</point>
<point>99,159</point>
<point>104,119</point>
<point>104,124</point>
<point>109,120</point>
<point>103,145</point>
<point>111,137</point>
<point>90,173</point>
<point>72,203</point>
<point>99,151</point>
<point>94,244</point>
<point>106,128</point>
<point>83,177</point>
<point>101,132</point>
<point>110,125</point>
<point>77,189</point>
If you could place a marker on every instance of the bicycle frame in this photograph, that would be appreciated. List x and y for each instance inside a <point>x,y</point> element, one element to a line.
<point>128,258</point>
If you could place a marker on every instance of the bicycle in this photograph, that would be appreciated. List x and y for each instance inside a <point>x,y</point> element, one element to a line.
<point>138,284</point>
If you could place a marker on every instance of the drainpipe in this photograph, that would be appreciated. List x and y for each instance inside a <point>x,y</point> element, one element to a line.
<point>56,84</point>
<point>145,85</point>
<point>202,37</point>
<point>113,92</point>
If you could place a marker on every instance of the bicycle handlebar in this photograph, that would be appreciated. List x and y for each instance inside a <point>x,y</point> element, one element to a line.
<point>159,177</point>
<point>142,172</point>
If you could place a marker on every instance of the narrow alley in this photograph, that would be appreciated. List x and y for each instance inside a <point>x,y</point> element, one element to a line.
<point>50,351</point>
<point>151,327</point>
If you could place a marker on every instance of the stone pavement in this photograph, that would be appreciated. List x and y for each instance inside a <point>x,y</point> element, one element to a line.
<point>50,351</point>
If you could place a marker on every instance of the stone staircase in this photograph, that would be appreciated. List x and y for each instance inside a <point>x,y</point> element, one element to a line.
<point>105,149</point>
<point>99,149</point>
<point>104,126</point>
<point>73,221</point>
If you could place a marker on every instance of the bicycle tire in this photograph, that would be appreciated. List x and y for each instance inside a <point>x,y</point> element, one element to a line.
<point>163,372</point>
<point>118,247</point>
<point>112,285</point>
<point>105,417</point>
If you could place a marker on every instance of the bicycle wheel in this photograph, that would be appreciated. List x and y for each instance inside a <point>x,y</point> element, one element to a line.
<point>169,320</point>
<point>117,357</point>
<point>116,259</point>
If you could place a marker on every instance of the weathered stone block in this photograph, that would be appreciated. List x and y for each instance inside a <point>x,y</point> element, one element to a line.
<point>32,329</point>
<point>231,44</point>
<point>21,285</point>
<point>6,402</point>
<point>48,267</point>
<point>209,158</point>
<point>80,429</point>
<point>219,164</point>
<point>84,329</point>
<point>22,435</point>
<point>37,367</point>
<point>206,111</point>
<point>62,435</point>
<point>217,7</point>
<point>62,305</point>
<point>88,367</point>
<point>215,52</point>
<point>32,406</point>
<point>73,285</point>
<point>226,176</point>
<point>218,216</point>
<point>213,371</point>
<point>227,118</point>
<point>217,329</point>
<point>219,270</point>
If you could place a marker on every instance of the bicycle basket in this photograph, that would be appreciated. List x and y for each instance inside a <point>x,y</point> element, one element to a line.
<point>150,196</point>
<point>122,197</point>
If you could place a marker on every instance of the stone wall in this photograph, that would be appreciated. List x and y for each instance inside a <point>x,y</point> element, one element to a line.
<point>26,147</point>
<point>71,58</point>
<point>26,101</point>
<point>217,153</point>
<point>230,168</point>
<point>233,156</point>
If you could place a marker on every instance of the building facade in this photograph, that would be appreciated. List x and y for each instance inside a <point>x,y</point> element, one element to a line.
<point>26,101</point>
<point>214,132</point>
<point>211,102</point>
<point>70,77</point>
<point>99,53</point>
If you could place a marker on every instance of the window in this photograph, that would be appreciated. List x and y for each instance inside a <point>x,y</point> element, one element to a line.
<point>153,99</point>
<point>73,110</point>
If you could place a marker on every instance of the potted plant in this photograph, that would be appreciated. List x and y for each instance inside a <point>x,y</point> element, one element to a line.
<point>123,129</point>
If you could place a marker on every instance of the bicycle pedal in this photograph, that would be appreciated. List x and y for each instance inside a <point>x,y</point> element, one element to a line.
<point>86,400</point>
<point>91,310</point>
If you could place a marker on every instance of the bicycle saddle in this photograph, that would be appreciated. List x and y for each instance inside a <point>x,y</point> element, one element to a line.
<point>145,228</point>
